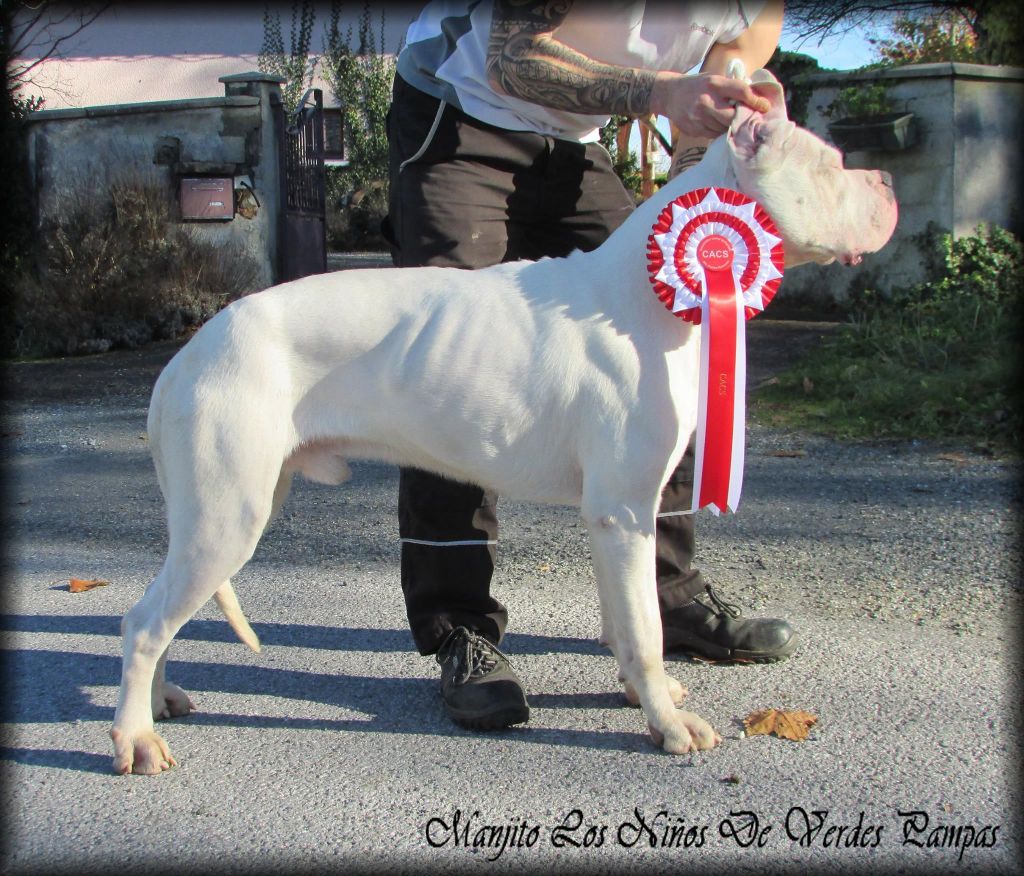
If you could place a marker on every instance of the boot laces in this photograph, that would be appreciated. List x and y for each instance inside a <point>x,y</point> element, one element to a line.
<point>473,655</point>
<point>719,603</point>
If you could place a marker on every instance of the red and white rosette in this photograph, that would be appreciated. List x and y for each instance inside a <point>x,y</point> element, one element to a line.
<point>715,260</point>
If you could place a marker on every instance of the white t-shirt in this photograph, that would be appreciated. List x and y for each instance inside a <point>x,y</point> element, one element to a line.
<point>446,52</point>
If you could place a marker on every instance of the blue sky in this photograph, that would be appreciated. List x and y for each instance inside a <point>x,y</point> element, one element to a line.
<point>843,52</point>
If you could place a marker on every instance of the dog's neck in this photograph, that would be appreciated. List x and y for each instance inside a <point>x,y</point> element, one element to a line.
<point>714,169</point>
<point>625,252</point>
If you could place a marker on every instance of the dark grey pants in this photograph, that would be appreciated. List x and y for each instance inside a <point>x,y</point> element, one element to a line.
<point>469,195</point>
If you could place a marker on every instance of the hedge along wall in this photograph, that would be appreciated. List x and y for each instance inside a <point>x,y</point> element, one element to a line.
<point>964,169</point>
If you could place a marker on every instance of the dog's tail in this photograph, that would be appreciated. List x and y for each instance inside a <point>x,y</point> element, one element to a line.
<point>228,602</point>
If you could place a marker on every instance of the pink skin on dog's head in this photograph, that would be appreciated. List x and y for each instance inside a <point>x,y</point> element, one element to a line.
<point>851,212</point>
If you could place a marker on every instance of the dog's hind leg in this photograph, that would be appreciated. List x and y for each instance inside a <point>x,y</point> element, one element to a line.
<point>169,700</point>
<point>215,519</point>
<point>176,594</point>
<point>147,628</point>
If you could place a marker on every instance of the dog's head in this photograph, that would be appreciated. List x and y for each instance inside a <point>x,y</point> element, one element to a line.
<point>824,212</point>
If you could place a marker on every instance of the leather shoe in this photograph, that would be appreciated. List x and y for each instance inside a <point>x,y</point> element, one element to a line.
<point>713,629</point>
<point>478,686</point>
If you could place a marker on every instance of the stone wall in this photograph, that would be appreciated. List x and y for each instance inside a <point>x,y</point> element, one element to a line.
<point>964,169</point>
<point>75,154</point>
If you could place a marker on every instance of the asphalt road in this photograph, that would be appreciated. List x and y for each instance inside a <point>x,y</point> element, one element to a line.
<point>897,562</point>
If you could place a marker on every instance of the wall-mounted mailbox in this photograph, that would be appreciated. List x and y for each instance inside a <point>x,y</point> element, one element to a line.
<point>207,197</point>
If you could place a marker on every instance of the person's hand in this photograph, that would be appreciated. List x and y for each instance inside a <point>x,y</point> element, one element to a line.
<point>702,105</point>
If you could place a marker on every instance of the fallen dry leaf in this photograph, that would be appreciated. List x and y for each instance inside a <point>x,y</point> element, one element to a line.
<point>787,725</point>
<point>808,385</point>
<point>80,585</point>
<point>953,457</point>
<point>789,453</point>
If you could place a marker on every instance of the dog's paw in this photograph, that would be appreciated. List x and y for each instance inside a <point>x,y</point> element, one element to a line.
<point>675,690</point>
<point>171,702</point>
<point>688,732</point>
<point>144,754</point>
<point>701,732</point>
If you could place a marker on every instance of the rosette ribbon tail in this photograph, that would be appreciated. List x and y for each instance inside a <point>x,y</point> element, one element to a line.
<point>715,259</point>
<point>721,417</point>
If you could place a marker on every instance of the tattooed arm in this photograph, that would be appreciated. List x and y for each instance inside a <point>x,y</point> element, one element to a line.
<point>686,156</point>
<point>753,47</point>
<point>526,60</point>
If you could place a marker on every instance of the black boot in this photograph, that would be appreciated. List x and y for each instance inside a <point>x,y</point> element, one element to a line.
<point>710,628</point>
<point>478,686</point>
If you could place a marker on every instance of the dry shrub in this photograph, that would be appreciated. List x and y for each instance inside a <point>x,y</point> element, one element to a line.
<point>118,270</point>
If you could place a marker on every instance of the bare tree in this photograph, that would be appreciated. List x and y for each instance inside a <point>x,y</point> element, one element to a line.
<point>30,33</point>
<point>36,32</point>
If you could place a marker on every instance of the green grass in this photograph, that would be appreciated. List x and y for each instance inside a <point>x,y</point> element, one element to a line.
<point>939,361</point>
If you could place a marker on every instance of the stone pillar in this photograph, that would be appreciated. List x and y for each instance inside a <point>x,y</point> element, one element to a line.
<point>263,152</point>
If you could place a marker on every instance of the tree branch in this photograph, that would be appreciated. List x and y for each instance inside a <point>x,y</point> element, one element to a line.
<point>30,34</point>
<point>807,19</point>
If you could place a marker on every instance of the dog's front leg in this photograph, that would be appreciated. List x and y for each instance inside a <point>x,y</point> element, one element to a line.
<point>675,690</point>
<point>622,543</point>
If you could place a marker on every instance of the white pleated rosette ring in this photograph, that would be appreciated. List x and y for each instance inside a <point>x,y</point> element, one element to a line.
<point>716,260</point>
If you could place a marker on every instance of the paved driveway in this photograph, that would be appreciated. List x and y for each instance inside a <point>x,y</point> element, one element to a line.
<point>897,563</point>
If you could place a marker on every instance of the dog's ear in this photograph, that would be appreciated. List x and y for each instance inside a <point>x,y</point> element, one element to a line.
<point>764,83</point>
<point>767,86</point>
<point>753,135</point>
<point>759,140</point>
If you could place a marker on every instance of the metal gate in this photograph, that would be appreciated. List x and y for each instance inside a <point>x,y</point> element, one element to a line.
<point>302,240</point>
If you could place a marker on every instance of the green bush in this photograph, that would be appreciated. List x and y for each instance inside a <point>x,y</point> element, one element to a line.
<point>968,309</point>
<point>860,100</point>
<point>354,216</point>
<point>117,270</point>
<point>936,360</point>
<point>361,79</point>
<point>626,164</point>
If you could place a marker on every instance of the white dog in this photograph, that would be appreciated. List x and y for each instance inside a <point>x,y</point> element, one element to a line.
<point>562,380</point>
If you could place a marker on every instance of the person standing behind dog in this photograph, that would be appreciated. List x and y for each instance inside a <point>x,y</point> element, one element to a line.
<point>494,157</point>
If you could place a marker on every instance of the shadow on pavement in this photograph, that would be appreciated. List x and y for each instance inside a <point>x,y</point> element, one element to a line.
<point>294,635</point>
<point>381,704</point>
<point>81,761</point>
